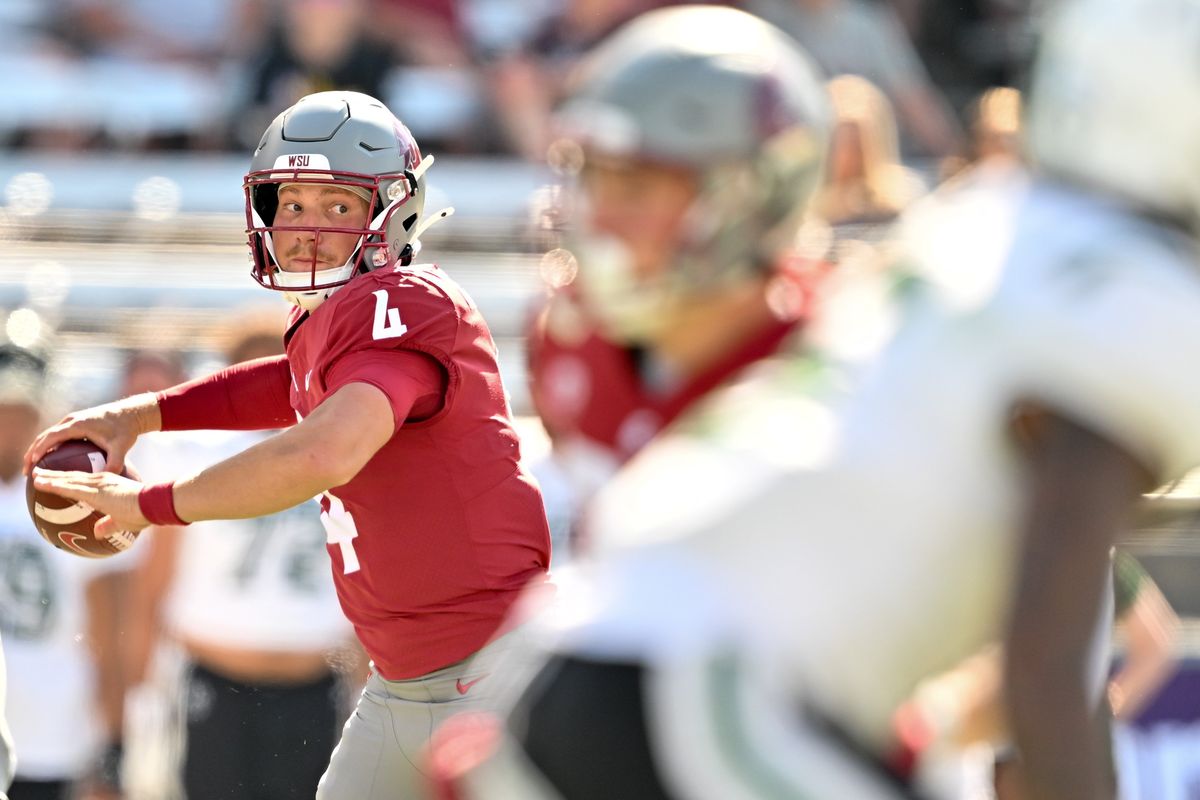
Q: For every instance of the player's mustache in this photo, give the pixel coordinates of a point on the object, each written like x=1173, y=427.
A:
x=300, y=250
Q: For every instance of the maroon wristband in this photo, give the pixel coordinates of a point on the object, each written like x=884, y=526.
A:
x=157, y=503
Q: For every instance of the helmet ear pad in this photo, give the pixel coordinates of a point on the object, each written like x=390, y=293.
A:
x=266, y=201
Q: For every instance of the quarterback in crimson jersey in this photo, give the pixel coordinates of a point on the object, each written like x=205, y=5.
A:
x=395, y=417
x=422, y=601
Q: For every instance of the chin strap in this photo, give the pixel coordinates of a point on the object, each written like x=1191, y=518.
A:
x=307, y=300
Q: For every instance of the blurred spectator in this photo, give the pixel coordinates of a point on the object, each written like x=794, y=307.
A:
x=25, y=27
x=865, y=184
x=996, y=124
x=864, y=190
x=969, y=45
x=864, y=38
x=16, y=15
x=200, y=34
x=56, y=617
x=172, y=55
x=430, y=31
x=151, y=371
x=963, y=710
x=313, y=46
x=994, y=121
x=1149, y=630
x=251, y=605
x=527, y=82
x=438, y=90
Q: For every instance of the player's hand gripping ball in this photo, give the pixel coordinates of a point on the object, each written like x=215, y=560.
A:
x=64, y=523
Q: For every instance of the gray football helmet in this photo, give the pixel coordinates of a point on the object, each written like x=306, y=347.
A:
x=1114, y=102
x=349, y=139
x=719, y=92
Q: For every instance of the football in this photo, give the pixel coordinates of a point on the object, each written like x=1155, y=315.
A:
x=64, y=523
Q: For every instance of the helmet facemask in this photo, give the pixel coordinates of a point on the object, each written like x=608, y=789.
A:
x=388, y=235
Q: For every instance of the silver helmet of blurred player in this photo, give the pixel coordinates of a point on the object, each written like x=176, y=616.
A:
x=1114, y=102
x=723, y=94
x=353, y=141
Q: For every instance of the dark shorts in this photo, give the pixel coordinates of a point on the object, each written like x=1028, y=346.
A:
x=257, y=741
x=586, y=731
x=39, y=790
x=585, y=726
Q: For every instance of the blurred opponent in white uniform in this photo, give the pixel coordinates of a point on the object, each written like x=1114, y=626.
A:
x=8, y=763
x=755, y=624
x=51, y=616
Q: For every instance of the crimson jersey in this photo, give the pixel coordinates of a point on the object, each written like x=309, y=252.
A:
x=434, y=538
x=587, y=388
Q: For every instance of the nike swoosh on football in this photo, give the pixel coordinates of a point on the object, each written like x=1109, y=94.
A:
x=465, y=686
x=72, y=540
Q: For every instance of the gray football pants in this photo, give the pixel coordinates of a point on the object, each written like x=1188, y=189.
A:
x=383, y=744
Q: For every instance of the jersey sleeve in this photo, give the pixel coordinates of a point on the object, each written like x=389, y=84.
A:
x=414, y=383
x=1113, y=342
x=399, y=334
x=249, y=396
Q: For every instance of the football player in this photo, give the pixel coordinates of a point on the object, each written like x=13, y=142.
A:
x=394, y=416
x=755, y=637
x=688, y=169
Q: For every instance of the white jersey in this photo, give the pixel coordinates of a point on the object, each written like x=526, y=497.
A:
x=8, y=756
x=260, y=584
x=51, y=702
x=892, y=559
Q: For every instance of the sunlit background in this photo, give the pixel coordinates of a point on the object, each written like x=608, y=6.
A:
x=126, y=128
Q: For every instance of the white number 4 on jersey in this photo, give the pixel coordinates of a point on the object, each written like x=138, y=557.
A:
x=387, y=320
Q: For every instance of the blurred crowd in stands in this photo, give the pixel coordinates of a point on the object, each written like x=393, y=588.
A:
x=467, y=76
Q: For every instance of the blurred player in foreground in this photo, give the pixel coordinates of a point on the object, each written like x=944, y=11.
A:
x=751, y=634
x=404, y=431
x=688, y=173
